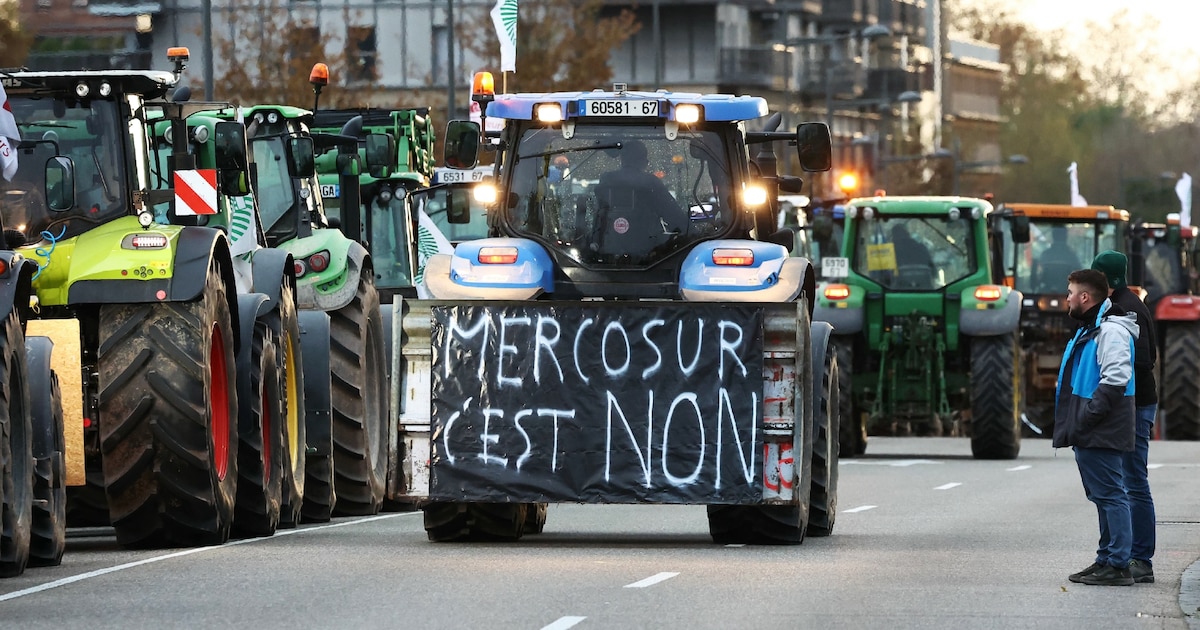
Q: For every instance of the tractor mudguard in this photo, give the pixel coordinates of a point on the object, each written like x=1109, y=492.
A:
x=980, y=318
x=845, y=315
x=270, y=267
x=318, y=386
x=15, y=281
x=251, y=306
x=356, y=262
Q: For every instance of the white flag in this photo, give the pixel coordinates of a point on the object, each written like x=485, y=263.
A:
x=1183, y=188
x=243, y=229
x=1076, y=198
x=9, y=134
x=430, y=241
x=504, y=17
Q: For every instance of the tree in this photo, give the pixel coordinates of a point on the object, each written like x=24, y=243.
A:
x=267, y=49
x=561, y=44
x=14, y=40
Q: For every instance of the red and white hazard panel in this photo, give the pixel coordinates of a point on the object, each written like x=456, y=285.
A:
x=196, y=192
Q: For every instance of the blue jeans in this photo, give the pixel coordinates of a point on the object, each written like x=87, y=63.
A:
x=1102, y=473
x=1137, y=484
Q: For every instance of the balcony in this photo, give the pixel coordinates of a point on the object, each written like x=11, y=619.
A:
x=847, y=79
x=887, y=83
x=761, y=67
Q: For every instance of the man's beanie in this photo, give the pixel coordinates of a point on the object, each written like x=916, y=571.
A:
x=1112, y=264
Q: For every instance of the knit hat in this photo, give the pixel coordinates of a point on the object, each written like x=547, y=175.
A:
x=1113, y=264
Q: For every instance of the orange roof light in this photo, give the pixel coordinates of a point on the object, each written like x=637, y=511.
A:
x=319, y=74
x=178, y=53
x=483, y=84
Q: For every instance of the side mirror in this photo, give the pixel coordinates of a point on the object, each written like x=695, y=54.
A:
x=814, y=147
x=301, y=157
x=458, y=206
x=60, y=183
x=462, y=144
x=229, y=143
x=347, y=165
x=1020, y=229
x=380, y=154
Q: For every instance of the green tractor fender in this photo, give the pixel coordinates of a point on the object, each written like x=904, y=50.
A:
x=989, y=310
x=845, y=314
x=334, y=286
x=15, y=281
x=271, y=267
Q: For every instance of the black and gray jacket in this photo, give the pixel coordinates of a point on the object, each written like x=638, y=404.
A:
x=1094, y=405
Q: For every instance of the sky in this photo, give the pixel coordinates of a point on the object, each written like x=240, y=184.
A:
x=1178, y=30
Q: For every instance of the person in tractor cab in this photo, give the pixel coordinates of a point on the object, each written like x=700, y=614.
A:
x=1056, y=261
x=636, y=209
x=914, y=264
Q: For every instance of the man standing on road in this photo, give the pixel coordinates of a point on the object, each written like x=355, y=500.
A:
x=1137, y=481
x=1094, y=413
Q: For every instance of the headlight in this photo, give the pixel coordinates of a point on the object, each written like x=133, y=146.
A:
x=484, y=193
x=687, y=114
x=385, y=195
x=549, y=112
x=754, y=196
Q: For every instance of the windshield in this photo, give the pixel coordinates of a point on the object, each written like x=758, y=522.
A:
x=1054, y=250
x=273, y=184
x=619, y=194
x=87, y=132
x=914, y=253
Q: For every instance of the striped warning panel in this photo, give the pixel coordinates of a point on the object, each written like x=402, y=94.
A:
x=196, y=192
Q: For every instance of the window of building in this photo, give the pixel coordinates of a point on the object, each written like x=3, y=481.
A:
x=361, y=52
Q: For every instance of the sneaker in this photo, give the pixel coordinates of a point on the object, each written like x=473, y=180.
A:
x=1142, y=572
x=1078, y=577
x=1109, y=576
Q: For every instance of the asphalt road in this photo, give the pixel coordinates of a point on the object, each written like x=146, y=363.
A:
x=925, y=537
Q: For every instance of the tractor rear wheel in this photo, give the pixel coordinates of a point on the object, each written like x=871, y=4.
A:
x=535, y=517
x=49, y=532
x=1180, y=401
x=16, y=451
x=822, y=498
x=458, y=522
x=360, y=409
x=995, y=404
x=285, y=326
x=168, y=419
x=852, y=432
x=260, y=449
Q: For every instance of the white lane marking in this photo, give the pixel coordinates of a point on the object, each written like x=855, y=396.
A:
x=562, y=623
x=736, y=545
x=953, y=484
x=1016, y=468
x=861, y=508
x=186, y=552
x=652, y=580
x=899, y=463
x=1153, y=466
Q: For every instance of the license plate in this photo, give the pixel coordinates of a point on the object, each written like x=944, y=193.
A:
x=459, y=177
x=330, y=191
x=619, y=108
x=835, y=267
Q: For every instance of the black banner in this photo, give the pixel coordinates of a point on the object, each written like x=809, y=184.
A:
x=597, y=403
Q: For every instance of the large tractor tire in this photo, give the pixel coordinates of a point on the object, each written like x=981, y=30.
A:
x=168, y=419
x=535, y=517
x=49, y=530
x=852, y=430
x=16, y=451
x=319, y=497
x=459, y=522
x=995, y=397
x=756, y=524
x=285, y=326
x=360, y=408
x=822, y=497
x=260, y=447
x=1180, y=400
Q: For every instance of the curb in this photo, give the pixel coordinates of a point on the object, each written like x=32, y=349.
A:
x=1189, y=595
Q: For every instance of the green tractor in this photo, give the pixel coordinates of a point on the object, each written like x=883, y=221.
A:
x=334, y=274
x=397, y=148
x=153, y=290
x=930, y=342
